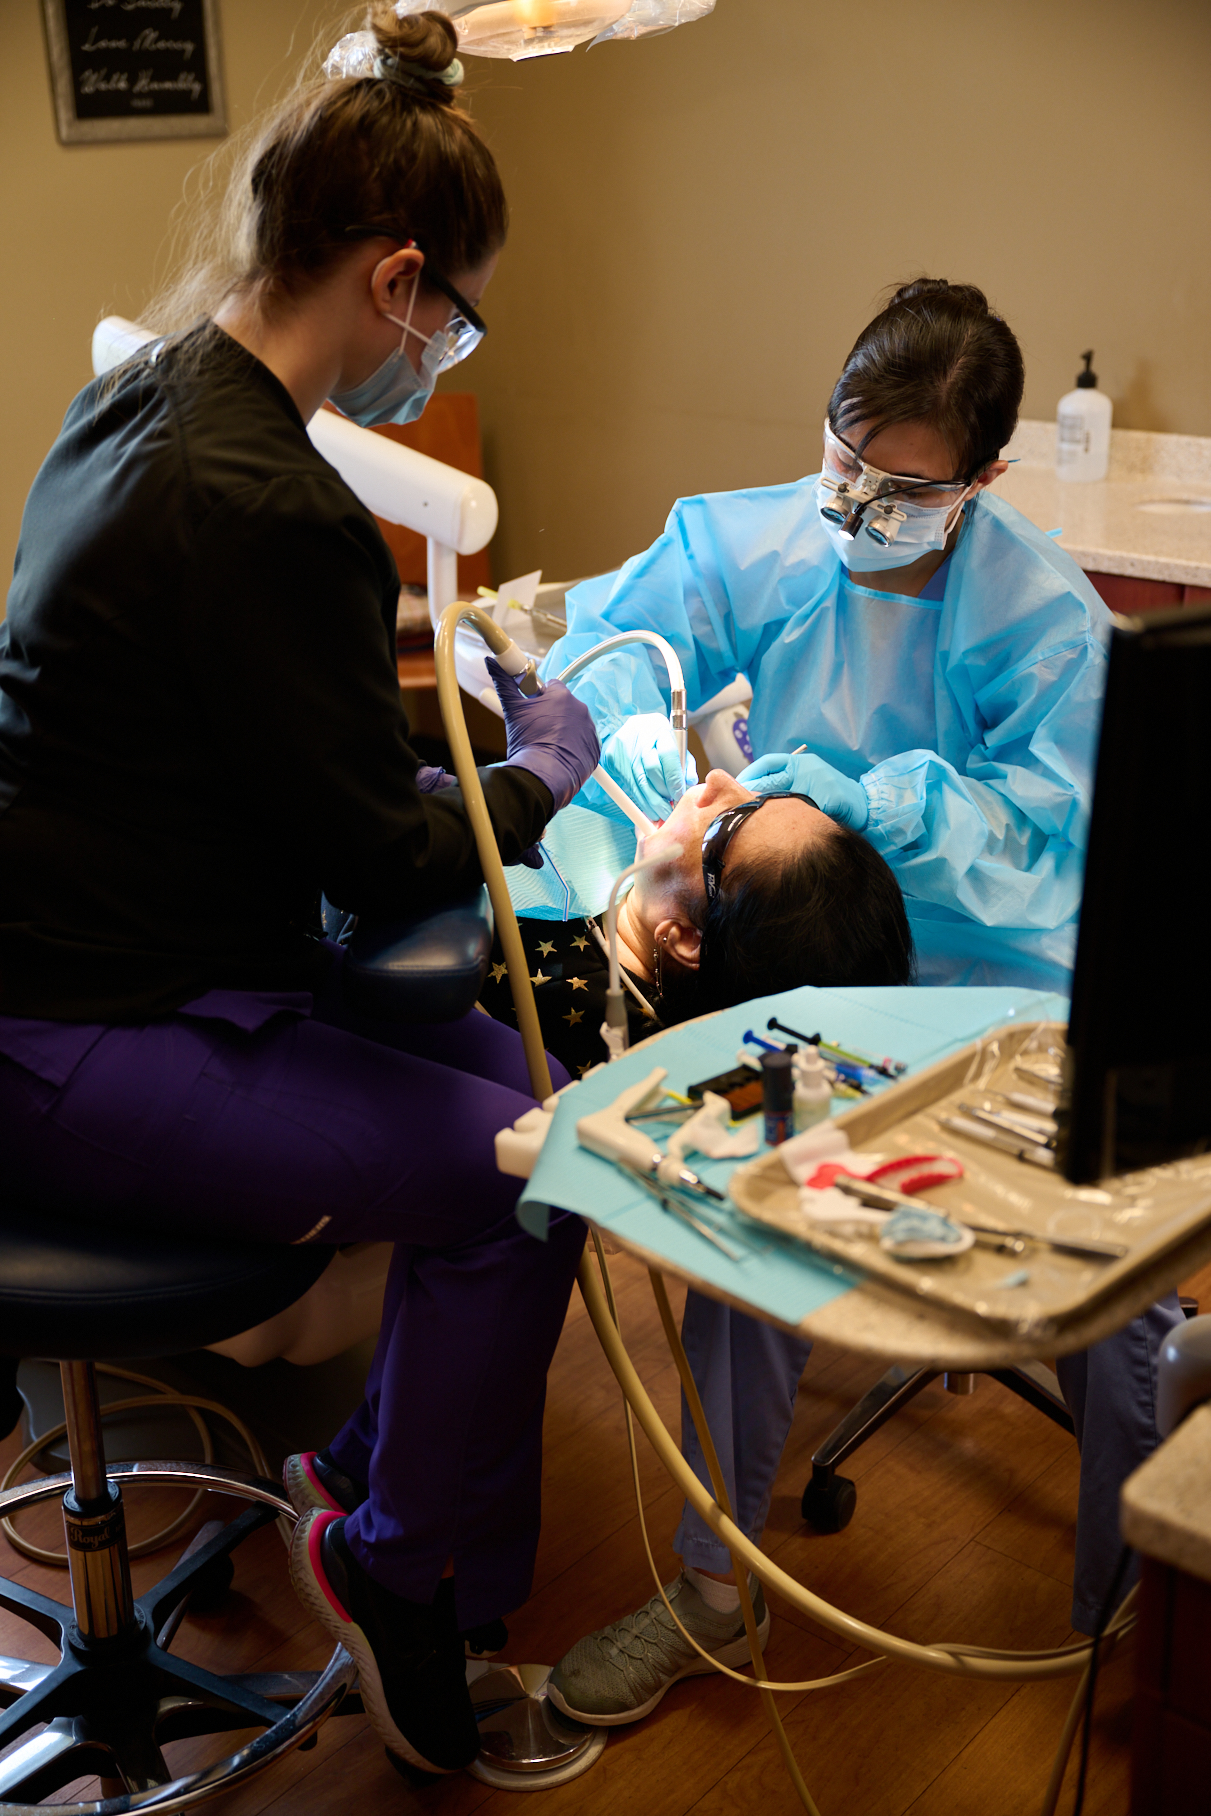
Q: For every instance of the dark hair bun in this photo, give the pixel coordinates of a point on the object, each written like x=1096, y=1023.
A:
x=971, y=300
x=424, y=44
x=937, y=354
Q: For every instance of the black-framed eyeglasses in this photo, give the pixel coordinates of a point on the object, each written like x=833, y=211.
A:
x=721, y=831
x=466, y=329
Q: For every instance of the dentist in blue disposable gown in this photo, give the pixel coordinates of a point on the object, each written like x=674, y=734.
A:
x=942, y=664
x=940, y=658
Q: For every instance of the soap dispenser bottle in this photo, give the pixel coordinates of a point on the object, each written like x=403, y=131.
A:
x=1082, y=429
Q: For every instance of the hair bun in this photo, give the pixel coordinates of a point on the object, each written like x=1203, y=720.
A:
x=424, y=44
x=966, y=295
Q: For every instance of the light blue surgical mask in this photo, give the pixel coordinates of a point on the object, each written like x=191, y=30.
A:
x=396, y=391
x=917, y=530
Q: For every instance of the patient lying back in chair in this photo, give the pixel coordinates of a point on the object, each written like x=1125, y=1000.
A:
x=759, y=901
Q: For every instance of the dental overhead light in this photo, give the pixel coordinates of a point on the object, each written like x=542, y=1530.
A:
x=519, y=29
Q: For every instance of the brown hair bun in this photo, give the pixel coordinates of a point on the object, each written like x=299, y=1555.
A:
x=422, y=44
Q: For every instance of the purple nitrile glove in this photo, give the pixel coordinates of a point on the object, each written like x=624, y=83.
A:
x=429, y=779
x=551, y=734
x=802, y=773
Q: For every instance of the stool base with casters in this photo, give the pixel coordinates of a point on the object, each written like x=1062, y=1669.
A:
x=829, y=1499
x=117, y=1695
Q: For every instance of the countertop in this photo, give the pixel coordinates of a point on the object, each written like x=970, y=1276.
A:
x=1166, y=1505
x=1150, y=518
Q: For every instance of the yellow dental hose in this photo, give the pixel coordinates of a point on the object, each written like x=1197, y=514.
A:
x=952, y=1659
x=450, y=700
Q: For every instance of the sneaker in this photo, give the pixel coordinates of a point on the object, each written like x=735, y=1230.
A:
x=409, y=1657
x=620, y=1673
x=312, y=1479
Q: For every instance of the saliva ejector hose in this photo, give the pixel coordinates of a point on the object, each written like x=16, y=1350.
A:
x=678, y=709
x=515, y=662
x=614, y=1030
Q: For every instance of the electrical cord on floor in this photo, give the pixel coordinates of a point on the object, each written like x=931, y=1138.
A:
x=162, y=1396
x=963, y=1660
x=759, y=1680
x=1103, y=1622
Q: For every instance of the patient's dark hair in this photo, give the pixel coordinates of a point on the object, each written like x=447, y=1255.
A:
x=936, y=353
x=831, y=914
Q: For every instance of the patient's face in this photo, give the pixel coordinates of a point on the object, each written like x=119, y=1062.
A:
x=760, y=841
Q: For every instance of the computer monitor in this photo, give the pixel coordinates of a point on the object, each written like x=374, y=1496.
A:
x=1138, y=1074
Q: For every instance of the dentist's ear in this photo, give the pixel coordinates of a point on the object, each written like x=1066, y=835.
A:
x=680, y=941
x=992, y=471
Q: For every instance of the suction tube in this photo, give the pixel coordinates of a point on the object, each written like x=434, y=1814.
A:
x=678, y=716
x=516, y=663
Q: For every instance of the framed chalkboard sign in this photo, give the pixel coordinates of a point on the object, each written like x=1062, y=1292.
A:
x=135, y=69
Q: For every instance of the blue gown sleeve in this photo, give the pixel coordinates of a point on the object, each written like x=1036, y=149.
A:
x=684, y=588
x=1001, y=836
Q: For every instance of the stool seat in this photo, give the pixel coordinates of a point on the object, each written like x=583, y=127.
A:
x=80, y=1291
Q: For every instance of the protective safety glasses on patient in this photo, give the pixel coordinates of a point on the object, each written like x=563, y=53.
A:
x=876, y=519
x=720, y=833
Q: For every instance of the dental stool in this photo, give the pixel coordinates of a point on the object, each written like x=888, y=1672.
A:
x=82, y=1293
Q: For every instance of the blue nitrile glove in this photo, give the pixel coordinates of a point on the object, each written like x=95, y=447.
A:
x=834, y=794
x=641, y=756
x=551, y=734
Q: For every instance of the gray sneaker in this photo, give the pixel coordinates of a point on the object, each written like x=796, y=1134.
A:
x=620, y=1673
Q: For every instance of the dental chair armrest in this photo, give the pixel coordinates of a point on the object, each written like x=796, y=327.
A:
x=421, y=970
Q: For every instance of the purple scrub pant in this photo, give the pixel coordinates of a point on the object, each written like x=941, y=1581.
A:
x=288, y=1119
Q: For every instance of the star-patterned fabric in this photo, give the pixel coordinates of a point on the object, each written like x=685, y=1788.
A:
x=570, y=974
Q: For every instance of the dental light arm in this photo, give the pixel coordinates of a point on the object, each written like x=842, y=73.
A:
x=455, y=512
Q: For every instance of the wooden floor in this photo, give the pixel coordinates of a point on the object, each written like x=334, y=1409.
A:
x=963, y=1531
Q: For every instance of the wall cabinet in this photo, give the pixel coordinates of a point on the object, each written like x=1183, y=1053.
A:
x=1124, y=593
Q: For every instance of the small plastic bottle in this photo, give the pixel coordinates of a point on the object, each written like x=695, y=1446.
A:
x=778, y=1096
x=813, y=1090
x=1082, y=429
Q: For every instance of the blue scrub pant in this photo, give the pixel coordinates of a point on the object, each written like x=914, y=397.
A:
x=240, y=1117
x=748, y=1372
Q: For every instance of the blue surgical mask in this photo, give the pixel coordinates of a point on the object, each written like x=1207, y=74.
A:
x=921, y=528
x=396, y=391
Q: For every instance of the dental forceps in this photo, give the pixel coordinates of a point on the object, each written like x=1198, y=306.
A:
x=664, y=1194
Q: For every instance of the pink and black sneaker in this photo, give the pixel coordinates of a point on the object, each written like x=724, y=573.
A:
x=409, y=1657
x=312, y=1479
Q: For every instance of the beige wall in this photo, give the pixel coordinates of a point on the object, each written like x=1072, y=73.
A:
x=702, y=222
x=83, y=227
